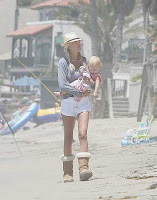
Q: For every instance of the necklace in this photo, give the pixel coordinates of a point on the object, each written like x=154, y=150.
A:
x=77, y=59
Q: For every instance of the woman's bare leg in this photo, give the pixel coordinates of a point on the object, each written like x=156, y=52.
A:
x=83, y=119
x=83, y=156
x=68, y=134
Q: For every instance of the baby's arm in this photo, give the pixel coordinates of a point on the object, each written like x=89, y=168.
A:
x=59, y=94
x=91, y=82
x=97, y=85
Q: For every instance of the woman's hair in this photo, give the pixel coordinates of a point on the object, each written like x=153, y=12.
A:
x=67, y=53
x=66, y=50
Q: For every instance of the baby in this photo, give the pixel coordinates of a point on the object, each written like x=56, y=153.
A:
x=94, y=65
x=88, y=76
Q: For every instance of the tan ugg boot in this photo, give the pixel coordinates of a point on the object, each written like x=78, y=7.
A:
x=83, y=160
x=68, y=168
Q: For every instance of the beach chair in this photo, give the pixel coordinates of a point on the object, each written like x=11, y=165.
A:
x=140, y=134
x=143, y=132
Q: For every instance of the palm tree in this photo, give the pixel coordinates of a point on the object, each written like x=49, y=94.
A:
x=94, y=27
x=145, y=8
x=122, y=8
x=24, y=3
x=149, y=8
x=153, y=7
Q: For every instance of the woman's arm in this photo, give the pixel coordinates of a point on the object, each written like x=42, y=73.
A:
x=64, y=84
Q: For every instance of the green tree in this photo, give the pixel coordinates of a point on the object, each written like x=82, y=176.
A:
x=110, y=17
x=99, y=20
x=24, y=3
x=102, y=26
x=153, y=7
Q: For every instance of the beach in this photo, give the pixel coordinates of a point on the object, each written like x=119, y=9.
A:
x=118, y=172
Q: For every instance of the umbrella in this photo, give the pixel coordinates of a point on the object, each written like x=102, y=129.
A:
x=34, y=81
x=25, y=81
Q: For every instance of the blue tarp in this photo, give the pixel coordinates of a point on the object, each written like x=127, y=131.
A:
x=25, y=81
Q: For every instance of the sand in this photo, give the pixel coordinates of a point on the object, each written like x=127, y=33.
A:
x=119, y=172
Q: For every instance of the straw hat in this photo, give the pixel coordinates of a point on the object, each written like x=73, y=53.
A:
x=70, y=37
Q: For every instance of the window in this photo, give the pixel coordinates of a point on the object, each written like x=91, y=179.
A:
x=41, y=16
x=59, y=50
x=24, y=48
x=17, y=48
x=44, y=54
x=50, y=15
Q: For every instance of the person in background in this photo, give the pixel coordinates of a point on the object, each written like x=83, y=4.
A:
x=37, y=92
x=68, y=71
x=1, y=124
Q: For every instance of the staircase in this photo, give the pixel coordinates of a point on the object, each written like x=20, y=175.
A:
x=120, y=106
x=120, y=94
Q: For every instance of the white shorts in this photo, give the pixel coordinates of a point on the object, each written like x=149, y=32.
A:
x=70, y=107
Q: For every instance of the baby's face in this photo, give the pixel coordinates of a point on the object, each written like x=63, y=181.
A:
x=94, y=68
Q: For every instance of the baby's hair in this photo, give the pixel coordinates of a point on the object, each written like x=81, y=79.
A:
x=94, y=60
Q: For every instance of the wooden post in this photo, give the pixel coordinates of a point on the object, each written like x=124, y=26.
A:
x=109, y=91
x=35, y=52
x=146, y=37
x=154, y=89
x=154, y=103
x=20, y=49
x=127, y=89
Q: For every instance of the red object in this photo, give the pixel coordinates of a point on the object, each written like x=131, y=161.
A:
x=30, y=30
x=155, y=48
x=59, y=3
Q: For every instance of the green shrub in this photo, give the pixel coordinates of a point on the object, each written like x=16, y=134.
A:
x=138, y=77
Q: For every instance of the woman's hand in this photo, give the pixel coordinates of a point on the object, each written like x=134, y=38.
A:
x=86, y=93
x=88, y=81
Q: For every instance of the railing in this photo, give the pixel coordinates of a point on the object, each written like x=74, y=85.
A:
x=31, y=61
x=134, y=71
x=120, y=88
x=121, y=76
x=120, y=84
x=43, y=61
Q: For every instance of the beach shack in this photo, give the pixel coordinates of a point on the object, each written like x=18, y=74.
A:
x=31, y=50
x=36, y=48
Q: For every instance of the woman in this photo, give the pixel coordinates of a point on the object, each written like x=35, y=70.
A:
x=68, y=71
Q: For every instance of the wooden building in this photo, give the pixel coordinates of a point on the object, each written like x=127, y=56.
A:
x=36, y=48
x=31, y=48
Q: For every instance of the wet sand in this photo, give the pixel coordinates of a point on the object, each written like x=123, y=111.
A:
x=119, y=172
